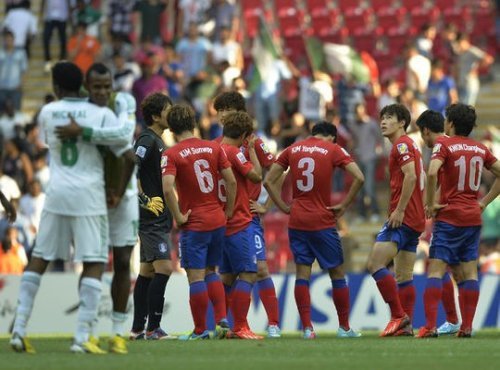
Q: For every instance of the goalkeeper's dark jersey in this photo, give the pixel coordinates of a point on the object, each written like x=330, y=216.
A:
x=148, y=150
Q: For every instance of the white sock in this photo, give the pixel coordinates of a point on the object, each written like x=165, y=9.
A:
x=118, y=319
x=30, y=282
x=90, y=295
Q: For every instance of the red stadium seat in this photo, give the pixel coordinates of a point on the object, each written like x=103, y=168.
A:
x=378, y=5
x=251, y=5
x=484, y=22
x=390, y=18
x=357, y=18
x=338, y=36
x=366, y=39
x=344, y=5
x=446, y=4
x=422, y=16
x=291, y=23
x=318, y=7
x=294, y=46
x=460, y=17
x=397, y=39
x=411, y=4
x=324, y=24
x=285, y=7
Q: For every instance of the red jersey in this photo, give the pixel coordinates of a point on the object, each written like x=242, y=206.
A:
x=241, y=167
x=405, y=151
x=312, y=162
x=266, y=159
x=196, y=164
x=440, y=140
x=463, y=161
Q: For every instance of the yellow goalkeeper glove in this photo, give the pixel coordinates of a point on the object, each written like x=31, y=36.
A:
x=154, y=204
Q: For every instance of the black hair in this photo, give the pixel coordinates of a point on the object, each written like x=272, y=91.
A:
x=437, y=63
x=180, y=118
x=432, y=120
x=463, y=117
x=7, y=32
x=67, y=76
x=236, y=124
x=324, y=128
x=153, y=105
x=98, y=68
x=399, y=110
x=230, y=100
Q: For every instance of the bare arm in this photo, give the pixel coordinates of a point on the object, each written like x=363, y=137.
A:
x=409, y=183
x=353, y=169
x=10, y=210
x=432, y=188
x=495, y=189
x=255, y=175
x=168, y=182
x=230, y=180
x=273, y=187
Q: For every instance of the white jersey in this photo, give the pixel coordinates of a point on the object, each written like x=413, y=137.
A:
x=76, y=185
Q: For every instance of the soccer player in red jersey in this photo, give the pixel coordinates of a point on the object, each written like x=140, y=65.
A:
x=239, y=263
x=431, y=126
x=456, y=233
x=233, y=101
x=193, y=166
x=398, y=238
x=311, y=228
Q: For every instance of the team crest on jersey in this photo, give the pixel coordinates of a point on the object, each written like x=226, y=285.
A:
x=402, y=148
x=264, y=147
x=436, y=148
x=164, y=161
x=162, y=247
x=140, y=151
x=241, y=157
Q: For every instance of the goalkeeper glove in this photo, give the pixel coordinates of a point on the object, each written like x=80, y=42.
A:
x=154, y=204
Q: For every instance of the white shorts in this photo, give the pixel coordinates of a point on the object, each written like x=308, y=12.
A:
x=88, y=234
x=124, y=223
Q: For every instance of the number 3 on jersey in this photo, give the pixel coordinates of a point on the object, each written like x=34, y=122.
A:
x=204, y=177
x=307, y=164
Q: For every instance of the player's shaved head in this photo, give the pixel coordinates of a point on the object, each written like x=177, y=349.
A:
x=229, y=100
x=96, y=68
x=399, y=111
x=153, y=105
x=463, y=117
x=236, y=124
x=180, y=118
x=432, y=120
x=67, y=77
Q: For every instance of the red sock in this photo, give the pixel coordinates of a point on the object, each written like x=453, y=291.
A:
x=217, y=296
x=303, y=301
x=387, y=286
x=432, y=296
x=340, y=295
x=470, y=292
x=240, y=300
x=448, y=299
x=406, y=292
x=267, y=295
x=198, y=300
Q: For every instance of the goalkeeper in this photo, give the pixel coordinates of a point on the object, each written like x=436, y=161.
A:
x=155, y=222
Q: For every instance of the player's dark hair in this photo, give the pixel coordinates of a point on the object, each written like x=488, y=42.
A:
x=98, y=68
x=67, y=76
x=432, y=120
x=180, y=118
x=236, y=124
x=230, y=100
x=324, y=128
x=153, y=105
x=463, y=117
x=399, y=110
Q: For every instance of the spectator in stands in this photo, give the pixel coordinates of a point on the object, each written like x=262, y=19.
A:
x=469, y=59
x=240, y=85
x=441, y=90
x=227, y=49
x=13, y=65
x=171, y=69
x=227, y=73
x=368, y=142
x=225, y=15
x=124, y=73
x=30, y=207
x=191, y=11
x=83, y=49
x=350, y=93
x=17, y=164
x=425, y=41
x=42, y=172
x=297, y=130
x=55, y=15
x=23, y=23
x=448, y=36
x=32, y=145
x=118, y=45
x=120, y=18
x=150, y=16
x=84, y=12
x=418, y=71
x=9, y=188
x=315, y=96
x=344, y=139
x=195, y=53
x=389, y=94
x=12, y=121
x=12, y=254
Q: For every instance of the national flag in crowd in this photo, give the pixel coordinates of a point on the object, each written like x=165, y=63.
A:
x=337, y=59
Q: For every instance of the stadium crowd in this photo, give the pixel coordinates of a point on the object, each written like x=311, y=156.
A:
x=435, y=53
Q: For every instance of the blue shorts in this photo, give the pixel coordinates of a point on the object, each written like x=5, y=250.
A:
x=201, y=249
x=323, y=245
x=257, y=238
x=405, y=237
x=239, y=253
x=454, y=244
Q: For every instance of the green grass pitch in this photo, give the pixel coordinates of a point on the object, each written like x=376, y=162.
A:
x=482, y=352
